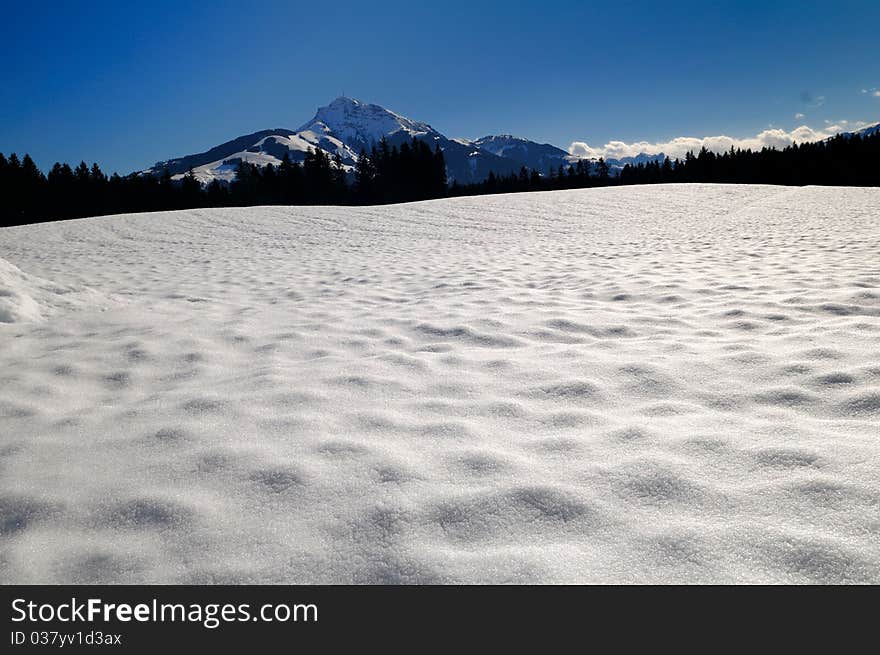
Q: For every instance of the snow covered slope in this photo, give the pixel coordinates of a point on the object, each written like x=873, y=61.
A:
x=868, y=131
x=216, y=154
x=636, y=384
x=344, y=127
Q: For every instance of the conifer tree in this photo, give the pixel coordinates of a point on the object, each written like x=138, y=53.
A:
x=602, y=171
x=440, y=176
x=364, y=176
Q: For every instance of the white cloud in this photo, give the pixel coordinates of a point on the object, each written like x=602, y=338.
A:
x=679, y=146
x=876, y=93
x=798, y=116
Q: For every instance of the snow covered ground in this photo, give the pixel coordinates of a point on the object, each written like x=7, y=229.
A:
x=638, y=384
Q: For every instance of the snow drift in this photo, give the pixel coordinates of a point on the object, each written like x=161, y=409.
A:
x=26, y=297
x=640, y=384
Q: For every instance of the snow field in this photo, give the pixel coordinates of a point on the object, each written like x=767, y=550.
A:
x=641, y=384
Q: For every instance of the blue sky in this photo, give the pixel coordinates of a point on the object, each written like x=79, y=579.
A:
x=126, y=84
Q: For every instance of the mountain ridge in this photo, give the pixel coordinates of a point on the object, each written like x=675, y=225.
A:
x=344, y=128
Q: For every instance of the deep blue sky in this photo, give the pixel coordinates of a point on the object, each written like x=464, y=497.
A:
x=126, y=84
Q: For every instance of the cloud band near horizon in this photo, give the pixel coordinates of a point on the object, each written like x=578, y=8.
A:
x=679, y=146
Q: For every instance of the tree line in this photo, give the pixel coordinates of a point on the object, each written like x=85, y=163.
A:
x=411, y=171
x=29, y=196
x=851, y=160
x=578, y=175
x=388, y=173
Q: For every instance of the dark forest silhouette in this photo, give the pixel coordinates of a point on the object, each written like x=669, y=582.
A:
x=412, y=171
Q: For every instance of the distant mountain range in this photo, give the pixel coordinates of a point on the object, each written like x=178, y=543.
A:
x=538, y=156
x=346, y=126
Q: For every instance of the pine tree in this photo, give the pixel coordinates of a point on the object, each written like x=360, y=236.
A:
x=337, y=176
x=364, y=177
x=602, y=171
x=190, y=190
x=491, y=183
x=14, y=198
x=441, y=180
x=535, y=180
x=96, y=174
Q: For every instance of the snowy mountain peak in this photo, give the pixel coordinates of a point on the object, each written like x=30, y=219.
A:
x=344, y=128
x=360, y=124
x=345, y=101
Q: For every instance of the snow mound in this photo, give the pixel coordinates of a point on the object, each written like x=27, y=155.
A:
x=28, y=298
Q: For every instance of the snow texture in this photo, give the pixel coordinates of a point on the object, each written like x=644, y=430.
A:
x=640, y=384
x=26, y=297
